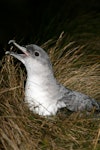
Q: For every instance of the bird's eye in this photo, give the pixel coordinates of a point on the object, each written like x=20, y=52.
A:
x=36, y=53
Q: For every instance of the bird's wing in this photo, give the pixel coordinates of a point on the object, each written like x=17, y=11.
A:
x=76, y=101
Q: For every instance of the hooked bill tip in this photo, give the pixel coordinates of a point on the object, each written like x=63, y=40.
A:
x=7, y=52
x=11, y=41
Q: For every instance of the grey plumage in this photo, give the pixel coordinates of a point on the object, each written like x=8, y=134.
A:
x=43, y=93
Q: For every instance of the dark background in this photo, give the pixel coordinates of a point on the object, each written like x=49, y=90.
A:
x=36, y=21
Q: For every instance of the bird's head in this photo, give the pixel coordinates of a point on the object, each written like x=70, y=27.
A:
x=35, y=59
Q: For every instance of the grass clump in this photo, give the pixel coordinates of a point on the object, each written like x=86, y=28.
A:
x=21, y=129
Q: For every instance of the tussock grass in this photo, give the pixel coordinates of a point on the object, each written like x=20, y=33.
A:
x=20, y=129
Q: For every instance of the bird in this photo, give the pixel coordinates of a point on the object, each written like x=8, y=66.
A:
x=44, y=95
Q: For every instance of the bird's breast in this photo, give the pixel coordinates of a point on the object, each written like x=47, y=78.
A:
x=42, y=95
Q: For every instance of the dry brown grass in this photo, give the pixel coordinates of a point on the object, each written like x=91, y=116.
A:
x=20, y=129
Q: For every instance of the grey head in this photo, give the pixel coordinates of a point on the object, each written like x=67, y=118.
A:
x=34, y=58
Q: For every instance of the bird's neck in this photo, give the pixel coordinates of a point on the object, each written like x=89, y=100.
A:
x=42, y=85
x=42, y=78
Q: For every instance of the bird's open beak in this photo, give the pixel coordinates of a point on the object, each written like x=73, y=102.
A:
x=16, y=55
x=23, y=49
